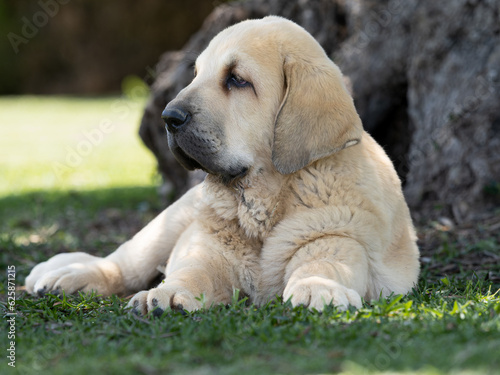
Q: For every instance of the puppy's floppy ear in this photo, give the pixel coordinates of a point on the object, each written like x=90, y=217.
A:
x=317, y=116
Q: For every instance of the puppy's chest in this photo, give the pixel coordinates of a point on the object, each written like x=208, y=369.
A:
x=256, y=209
x=258, y=214
x=318, y=186
x=247, y=218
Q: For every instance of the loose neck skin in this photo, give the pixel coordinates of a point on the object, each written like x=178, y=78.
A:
x=256, y=201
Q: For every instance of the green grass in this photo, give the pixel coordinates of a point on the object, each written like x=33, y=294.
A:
x=71, y=143
x=449, y=324
x=437, y=329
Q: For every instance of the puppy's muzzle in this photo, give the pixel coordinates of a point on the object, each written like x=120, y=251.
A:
x=175, y=118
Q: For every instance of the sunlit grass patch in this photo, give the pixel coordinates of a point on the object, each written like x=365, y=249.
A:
x=431, y=335
x=71, y=143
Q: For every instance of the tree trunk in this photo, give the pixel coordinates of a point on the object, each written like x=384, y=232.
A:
x=426, y=82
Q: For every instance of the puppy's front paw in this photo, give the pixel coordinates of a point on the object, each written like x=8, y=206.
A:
x=316, y=292
x=163, y=298
x=75, y=272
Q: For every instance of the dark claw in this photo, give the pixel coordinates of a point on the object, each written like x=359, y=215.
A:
x=41, y=292
x=158, y=311
x=180, y=309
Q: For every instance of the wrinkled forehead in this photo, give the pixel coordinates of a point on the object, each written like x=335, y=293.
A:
x=245, y=46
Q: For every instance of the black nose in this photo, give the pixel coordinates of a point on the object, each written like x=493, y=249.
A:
x=175, y=118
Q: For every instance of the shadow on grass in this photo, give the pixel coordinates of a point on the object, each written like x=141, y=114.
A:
x=448, y=326
x=37, y=225
x=54, y=201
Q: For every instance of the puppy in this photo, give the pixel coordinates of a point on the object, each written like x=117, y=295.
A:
x=299, y=201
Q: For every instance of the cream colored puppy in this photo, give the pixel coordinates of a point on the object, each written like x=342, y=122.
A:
x=299, y=201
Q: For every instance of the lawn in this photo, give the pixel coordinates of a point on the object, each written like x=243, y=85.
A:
x=75, y=177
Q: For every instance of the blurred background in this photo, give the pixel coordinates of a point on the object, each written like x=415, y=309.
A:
x=88, y=47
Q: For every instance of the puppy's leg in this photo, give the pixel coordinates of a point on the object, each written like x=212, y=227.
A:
x=328, y=270
x=202, y=271
x=130, y=268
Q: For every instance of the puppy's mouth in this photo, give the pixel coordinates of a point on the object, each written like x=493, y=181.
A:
x=186, y=161
x=227, y=176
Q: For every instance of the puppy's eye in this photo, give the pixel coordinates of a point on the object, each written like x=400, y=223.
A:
x=236, y=81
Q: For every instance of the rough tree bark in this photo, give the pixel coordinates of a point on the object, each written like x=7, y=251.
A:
x=426, y=81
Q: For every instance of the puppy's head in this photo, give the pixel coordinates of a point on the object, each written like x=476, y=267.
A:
x=264, y=96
